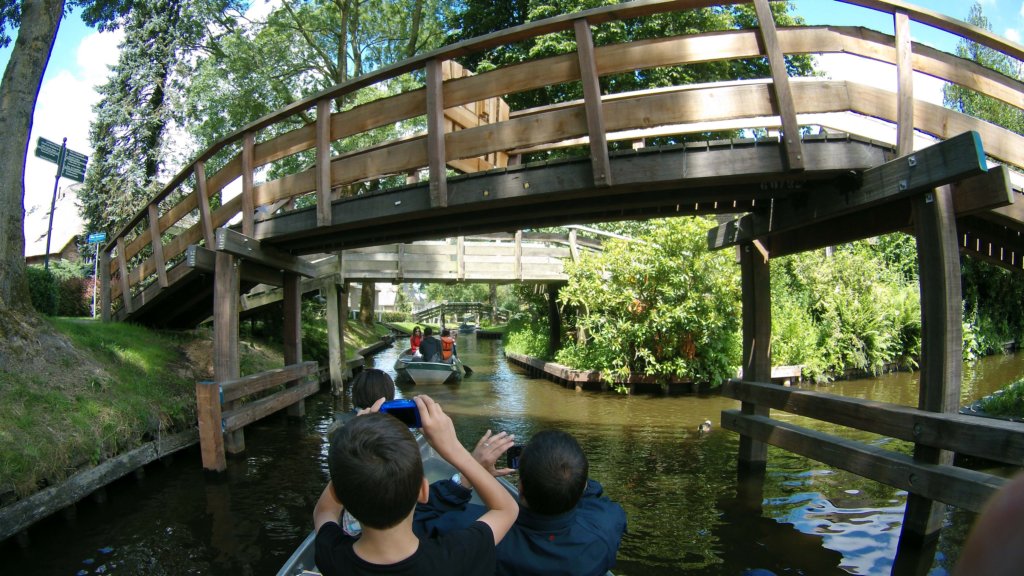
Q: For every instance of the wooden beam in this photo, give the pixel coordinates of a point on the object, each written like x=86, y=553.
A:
x=205, y=220
x=755, y=279
x=944, y=162
x=211, y=434
x=780, y=85
x=234, y=389
x=245, y=247
x=225, y=336
x=206, y=260
x=158, y=247
x=292, y=337
x=905, y=85
x=248, y=198
x=122, y=264
x=335, y=321
x=436, y=155
x=323, y=162
x=237, y=418
x=941, y=342
x=998, y=440
x=460, y=257
x=960, y=487
x=104, y=269
x=518, y=256
x=592, y=99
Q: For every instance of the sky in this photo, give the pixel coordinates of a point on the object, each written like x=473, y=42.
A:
x=81, y=58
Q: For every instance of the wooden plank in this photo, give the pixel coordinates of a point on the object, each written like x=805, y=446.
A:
x=938, y=258
x=997, y=440
x=225, y=336
x=158, y=248
x=105, y=299
x=211, y=435
x=757, y=323
x=122, y=264
x=21, y=514
x=284, y=145
x=335, y=321
x=205, y=260
x=253, y=383
x=592, y=104
x=517, y=258
x=436, y=155
x=237, y=418
x=248, y=204
x=323, y=163
x=292, y=337
x=960, y=487
x=460, y=252
x=944, y=162
x=905, y=85
x=205, y=220
x=780, y=85
x=226, y=175
x=244, y=247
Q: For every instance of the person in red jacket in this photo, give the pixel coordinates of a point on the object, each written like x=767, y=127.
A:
x=414, y=341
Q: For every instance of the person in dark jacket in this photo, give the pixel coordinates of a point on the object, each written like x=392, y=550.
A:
x=566, y=526
x=430, y=347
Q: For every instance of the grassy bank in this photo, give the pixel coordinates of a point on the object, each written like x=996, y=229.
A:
x=102, y=389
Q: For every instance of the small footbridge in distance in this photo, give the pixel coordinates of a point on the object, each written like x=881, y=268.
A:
x=825, y=175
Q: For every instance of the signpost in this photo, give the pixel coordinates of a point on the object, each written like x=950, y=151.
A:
x=96, y=238
x=70, y=164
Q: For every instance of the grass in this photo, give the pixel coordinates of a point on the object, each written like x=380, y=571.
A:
x=1008, y=402
x=105, y=389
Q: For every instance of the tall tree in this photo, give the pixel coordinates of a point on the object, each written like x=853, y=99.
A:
x=39, y=22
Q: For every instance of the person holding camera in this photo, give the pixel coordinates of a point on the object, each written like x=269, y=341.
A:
x=566, y=526
x=376, y=480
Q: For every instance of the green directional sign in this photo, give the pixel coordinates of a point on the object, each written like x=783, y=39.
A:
x=48, y=150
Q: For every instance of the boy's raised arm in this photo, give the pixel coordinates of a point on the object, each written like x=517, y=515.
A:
x=328, y=508
x=502, y=509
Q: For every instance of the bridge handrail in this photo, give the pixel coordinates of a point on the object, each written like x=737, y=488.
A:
x=557, y=69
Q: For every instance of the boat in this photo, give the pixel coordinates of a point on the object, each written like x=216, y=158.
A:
x=407, y=367
x=467, y=328
x=434, y=467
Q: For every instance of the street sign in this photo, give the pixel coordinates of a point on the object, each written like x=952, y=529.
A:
x=48, y=150
x=76, y=173
x=97, y=237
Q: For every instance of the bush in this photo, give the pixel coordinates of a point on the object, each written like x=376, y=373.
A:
x=42, y=287
x=396, y=316
x=527, y=335
x=1006, y=402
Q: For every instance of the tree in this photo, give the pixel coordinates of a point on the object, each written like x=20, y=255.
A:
x=39, y=22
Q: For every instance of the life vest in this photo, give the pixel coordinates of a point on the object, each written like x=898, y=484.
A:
x=447, y=345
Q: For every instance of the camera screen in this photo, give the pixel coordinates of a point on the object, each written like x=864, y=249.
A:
x=406, y=415
x=512, y=456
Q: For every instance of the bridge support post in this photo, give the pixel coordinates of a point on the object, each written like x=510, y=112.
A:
x=225, y=334
x=554, y=321
x=104, y=267
x=941, y=343
x=335, y=336
x=293, y=333
x=757, y=332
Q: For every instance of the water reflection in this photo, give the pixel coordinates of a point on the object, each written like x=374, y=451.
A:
x=686, y=510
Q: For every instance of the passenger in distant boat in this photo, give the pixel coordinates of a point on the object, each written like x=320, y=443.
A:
x=430, y=347
x=414, y=341
x=363, y=519
x=448, y=351
x=565, y=526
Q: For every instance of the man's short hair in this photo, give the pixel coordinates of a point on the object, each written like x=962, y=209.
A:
x=370, y=385
x=376, y=469
x=553, y=472
x=445, y=332
x=428, y=331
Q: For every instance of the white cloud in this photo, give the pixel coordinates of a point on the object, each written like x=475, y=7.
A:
x=64, y=109
x=1012, y=34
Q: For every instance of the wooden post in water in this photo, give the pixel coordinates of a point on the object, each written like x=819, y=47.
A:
x=293, y=332
x=335, y=327
x=757, y=332
x=941, y=342
x=225, y=335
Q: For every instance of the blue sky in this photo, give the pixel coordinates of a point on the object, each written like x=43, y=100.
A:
x=81, y=57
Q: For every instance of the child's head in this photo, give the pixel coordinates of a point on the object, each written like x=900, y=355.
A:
x=553, y=472
x=376, y=470
x=370, y=385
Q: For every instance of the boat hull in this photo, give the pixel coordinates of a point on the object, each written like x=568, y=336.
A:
x=425, y=373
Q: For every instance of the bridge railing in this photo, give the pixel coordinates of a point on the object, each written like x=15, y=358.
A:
x=193, y=204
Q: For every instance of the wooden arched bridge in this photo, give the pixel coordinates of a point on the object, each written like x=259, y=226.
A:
x=823, y=176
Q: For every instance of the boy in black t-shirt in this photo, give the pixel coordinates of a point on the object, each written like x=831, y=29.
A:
x=377, y=478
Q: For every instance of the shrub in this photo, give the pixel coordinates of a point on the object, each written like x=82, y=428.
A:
x=1006, y=402
x=42, y=286
x=396, y=316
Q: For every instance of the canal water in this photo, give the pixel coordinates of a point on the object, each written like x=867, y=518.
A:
x=685, y=510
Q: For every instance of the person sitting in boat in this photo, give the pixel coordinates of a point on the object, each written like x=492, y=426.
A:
x=377, y=479
x=414, y=341
x=369, y=385
x=448, y=352
x=566, y=526
x=430, y=347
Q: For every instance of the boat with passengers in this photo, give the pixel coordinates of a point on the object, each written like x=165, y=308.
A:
x=411, y=367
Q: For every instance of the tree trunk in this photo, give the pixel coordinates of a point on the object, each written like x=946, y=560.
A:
x=18, y=92
x=414, y=30
x=367, y=297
